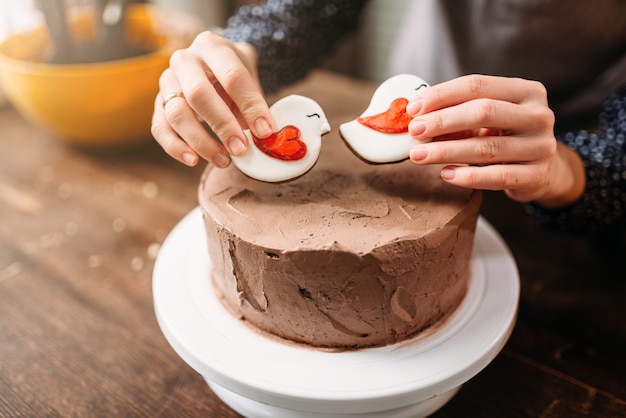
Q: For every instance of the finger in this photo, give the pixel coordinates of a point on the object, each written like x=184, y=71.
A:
x=522, y=182
x=470, y=87
x=243, y=89
x=481, y=113
x=205, y=101
x=484, y=150
x=184, y=123
x=168, y=139
x=216, y=58
x=455, y=135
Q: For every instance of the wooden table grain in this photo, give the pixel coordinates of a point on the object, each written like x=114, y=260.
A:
x=79, y=233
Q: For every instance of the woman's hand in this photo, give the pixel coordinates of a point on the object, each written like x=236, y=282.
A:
x=215, y=82
x=495, y=133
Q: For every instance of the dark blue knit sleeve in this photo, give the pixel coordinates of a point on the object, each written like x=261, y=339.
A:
x=293, y=36
x=603, y=202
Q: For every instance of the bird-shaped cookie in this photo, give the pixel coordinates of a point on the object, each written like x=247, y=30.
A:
x=381, y=134
x=293, y=149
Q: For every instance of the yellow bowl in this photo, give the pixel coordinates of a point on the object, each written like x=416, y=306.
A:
x=107, y=102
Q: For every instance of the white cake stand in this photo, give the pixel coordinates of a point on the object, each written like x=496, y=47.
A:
x=259, y=376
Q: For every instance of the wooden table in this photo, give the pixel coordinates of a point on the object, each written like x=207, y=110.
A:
x=79, y=233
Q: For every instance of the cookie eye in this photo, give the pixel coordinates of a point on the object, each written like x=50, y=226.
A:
x=421, y=86
x=314, y=114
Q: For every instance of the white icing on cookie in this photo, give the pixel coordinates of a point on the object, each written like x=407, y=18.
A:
x=293, y=149
x=373, y=145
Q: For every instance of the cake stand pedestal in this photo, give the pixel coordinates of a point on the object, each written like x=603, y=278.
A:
x=253, y=409
x=259, y=376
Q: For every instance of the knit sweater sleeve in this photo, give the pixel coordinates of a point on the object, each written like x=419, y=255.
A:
x=292, y=36
x=603, y=202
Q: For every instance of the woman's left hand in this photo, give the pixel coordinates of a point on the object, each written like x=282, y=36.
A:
x=495, y=133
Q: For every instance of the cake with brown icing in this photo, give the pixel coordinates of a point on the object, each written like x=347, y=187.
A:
x=349, y=255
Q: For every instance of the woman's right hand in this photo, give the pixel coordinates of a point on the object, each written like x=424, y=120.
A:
x=213, y=81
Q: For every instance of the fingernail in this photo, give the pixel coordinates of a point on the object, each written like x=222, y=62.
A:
x=221, y=160
x=418, y=153
x=448, y=173
x=189, y=158
x=417, y=127
x=235, y=145
x=414, y=107
x=262, y=128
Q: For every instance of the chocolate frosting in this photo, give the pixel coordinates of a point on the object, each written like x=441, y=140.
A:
x=348, y=255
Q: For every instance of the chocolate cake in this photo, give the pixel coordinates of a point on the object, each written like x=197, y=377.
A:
x=349, y=255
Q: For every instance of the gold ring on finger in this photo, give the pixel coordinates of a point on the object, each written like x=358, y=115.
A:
x=172, y=96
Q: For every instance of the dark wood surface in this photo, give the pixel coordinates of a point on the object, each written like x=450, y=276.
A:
x=79, y=232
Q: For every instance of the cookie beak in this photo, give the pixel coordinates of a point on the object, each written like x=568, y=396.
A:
x=325, y=128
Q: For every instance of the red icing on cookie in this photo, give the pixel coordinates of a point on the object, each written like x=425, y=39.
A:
x=283, y=145
x=394, y=120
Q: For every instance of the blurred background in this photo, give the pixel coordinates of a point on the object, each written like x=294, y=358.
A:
x=379, y=28
x=91, y=101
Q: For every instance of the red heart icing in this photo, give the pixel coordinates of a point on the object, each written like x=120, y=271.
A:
x=394, y=120
x=283, y=145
